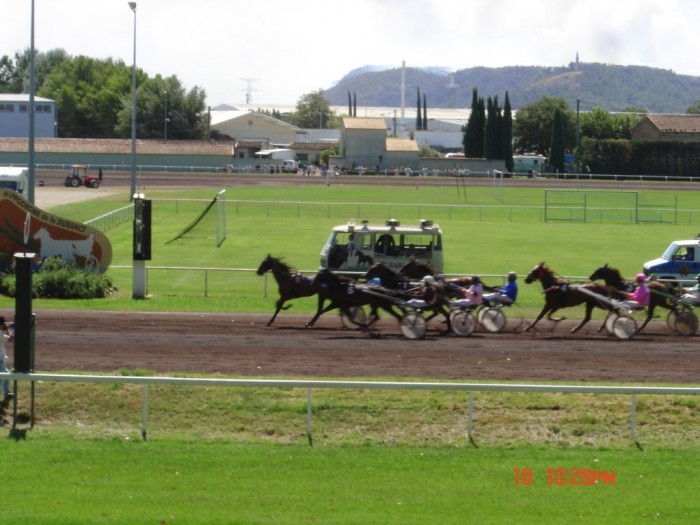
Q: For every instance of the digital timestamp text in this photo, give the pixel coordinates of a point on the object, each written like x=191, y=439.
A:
x=566, y=476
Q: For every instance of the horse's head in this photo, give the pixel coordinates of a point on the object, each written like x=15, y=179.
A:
x=600, y=273
x=266, y=265
x=537, y=273
x=416, y=270
x=378, y=269
x=611, y=276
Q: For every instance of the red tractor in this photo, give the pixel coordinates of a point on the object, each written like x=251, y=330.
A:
x=78, y=176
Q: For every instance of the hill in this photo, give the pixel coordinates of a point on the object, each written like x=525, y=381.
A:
x=614, y=88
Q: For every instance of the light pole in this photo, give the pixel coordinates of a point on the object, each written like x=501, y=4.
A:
x=132, y=5
x=30, y=144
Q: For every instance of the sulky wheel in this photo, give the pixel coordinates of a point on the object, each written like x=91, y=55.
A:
x=609, y=322
x=354, y=318
x=671, y=320
x=492, y=319
x=463, y=323
x=624, y=327
x=686, y=322
x=413, y=325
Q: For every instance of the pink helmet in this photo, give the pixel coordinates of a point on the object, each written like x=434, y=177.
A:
x=640, y=277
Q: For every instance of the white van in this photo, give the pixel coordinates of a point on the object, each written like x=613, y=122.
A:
x=14, y=178
x=355, y=247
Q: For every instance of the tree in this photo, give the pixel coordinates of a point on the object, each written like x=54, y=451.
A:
x=694, y=108
x=419, y=118
x=532, y=127
x=493, y=135
x=473, y=140
x=425, y=113
x=557, y=148
x=89, y=94
x=313, y=111
x=508, y=134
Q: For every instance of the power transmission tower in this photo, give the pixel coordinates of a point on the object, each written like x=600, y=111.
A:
x=249, y=89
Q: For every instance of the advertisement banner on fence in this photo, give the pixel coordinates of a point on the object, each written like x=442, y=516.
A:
x=27, y=228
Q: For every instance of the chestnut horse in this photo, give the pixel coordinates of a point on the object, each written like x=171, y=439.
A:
x=558, y=293
x=659, y=296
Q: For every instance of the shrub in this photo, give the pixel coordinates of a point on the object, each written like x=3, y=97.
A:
x=60, y=279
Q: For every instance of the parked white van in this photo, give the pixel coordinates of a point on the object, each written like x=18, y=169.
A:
x=355, y=247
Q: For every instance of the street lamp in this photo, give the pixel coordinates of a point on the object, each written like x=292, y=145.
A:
x=132, y=5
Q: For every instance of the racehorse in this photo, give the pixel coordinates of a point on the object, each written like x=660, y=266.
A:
x=342, y=293
x=389, y=278
x=435, y=293
x=291, y=284
x=659, y=296
x=560, y=294
x=416, y=270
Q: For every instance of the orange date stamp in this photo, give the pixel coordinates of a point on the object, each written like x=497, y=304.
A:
x=559, y=476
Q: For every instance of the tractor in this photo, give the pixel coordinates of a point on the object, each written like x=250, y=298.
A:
x=78, y=176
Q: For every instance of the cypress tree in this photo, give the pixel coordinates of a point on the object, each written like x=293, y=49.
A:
x=349, y=104
x=425, y=114
x=508, y=135
x=556, y=151
x=354, y=104
x=419, y=119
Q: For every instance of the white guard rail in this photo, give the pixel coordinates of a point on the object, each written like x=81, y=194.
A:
x=633, y=391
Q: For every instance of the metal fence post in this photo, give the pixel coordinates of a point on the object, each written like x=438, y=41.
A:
x=144, y=413
x=308, y=417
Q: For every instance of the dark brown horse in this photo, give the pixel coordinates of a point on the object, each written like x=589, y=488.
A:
x=558, y=293
x=344, y=294
x=291, y=284
x=660, y=293
x=435, y=293
x=416, y=270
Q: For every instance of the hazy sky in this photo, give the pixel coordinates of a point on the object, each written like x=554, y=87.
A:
x=290, y=48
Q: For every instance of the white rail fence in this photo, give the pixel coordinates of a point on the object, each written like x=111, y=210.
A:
x=310, y=385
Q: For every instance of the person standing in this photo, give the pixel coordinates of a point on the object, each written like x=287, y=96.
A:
x=6, y=338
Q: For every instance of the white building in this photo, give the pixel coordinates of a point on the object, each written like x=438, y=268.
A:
x=14, y=116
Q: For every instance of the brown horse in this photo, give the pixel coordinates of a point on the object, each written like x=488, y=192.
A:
x=435, y=293
x=559, y=294
x=345, y=293
x=416, y=270
x=291, y=284
x=660, y=293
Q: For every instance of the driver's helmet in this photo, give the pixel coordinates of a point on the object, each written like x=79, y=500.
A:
x=512, y=276
x=640, y=277
x=429, y=280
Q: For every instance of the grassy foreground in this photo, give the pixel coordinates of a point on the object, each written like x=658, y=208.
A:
x=236, y=455
x=59, y=481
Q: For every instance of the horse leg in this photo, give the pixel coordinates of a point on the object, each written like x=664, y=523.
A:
x=586, y=318
x=320, y=311
x=539, y=317
x=278, y=306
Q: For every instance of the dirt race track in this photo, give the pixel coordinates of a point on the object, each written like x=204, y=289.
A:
x=242, y=344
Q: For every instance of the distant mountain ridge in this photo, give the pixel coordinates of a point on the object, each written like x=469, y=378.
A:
x=611, y=87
